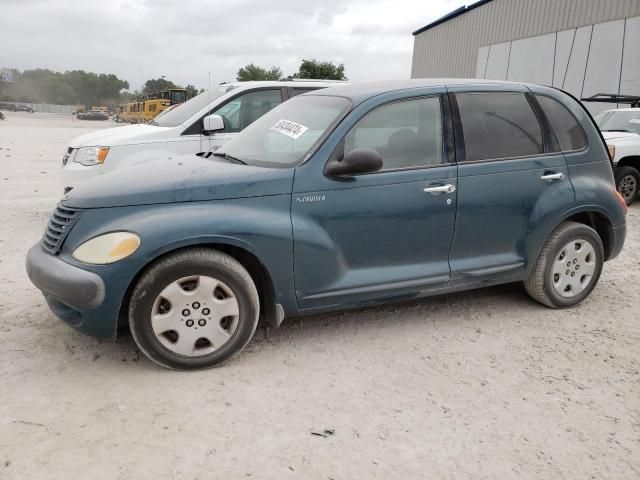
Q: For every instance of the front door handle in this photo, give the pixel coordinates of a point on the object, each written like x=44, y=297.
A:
x=441, y=189
x=550, y=177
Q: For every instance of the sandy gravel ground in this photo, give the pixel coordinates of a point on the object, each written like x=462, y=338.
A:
x=480, y=385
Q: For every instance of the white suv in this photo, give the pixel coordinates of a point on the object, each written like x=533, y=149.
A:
x=202, y=124
x=621, y=130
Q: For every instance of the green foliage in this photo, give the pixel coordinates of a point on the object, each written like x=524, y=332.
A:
x=158, y=85
x=313, y=69
x=254, y=72
x=192, y=91
x=75, y=87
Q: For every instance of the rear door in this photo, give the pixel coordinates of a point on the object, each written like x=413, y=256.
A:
x=511, y=180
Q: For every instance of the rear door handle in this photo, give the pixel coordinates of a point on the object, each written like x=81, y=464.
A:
x=441, y=189
x=550, y=177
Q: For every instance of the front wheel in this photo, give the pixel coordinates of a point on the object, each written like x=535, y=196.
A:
x=628, y=183
x=193, y=309
x=568, y=268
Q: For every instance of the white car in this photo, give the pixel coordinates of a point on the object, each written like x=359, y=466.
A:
x=202, y=124
x=621, y=130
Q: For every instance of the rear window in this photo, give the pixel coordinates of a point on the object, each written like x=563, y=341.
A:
x=499, y=125
x=567, y=129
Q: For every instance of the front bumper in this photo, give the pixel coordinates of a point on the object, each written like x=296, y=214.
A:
x=71, y=285
x=74, y=295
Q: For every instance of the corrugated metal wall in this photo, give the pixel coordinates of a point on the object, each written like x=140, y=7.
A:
x=451, y=48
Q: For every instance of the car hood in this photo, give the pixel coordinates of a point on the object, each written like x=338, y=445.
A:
x=620, y=135
x=126, y=135
x=187, y=178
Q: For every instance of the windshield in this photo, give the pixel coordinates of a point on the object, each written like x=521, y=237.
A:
x=284, y=136
x=181, y=113
x=619, y=121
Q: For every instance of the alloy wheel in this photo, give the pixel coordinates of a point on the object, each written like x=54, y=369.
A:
x=628, y=187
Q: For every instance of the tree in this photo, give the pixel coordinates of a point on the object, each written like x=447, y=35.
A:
x=192, y=91
x=157, y=85
x=254, y=72
x=70, y=88
x=313, y=69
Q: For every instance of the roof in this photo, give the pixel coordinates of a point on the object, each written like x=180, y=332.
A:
x=358, y=92
x=451, y=15
x=284, y=83
x=624, y=109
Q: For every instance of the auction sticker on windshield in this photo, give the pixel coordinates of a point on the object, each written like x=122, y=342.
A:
x=289, y=128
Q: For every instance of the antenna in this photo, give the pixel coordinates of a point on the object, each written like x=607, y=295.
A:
x=208, y=111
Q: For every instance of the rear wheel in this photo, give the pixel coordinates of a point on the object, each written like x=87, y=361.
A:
x=628, y=183
x=193, y=309
x=568, y=267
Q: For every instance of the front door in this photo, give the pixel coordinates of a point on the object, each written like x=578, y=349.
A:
x=239, y=113
x=386, y=234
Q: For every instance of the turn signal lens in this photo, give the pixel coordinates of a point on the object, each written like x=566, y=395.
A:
x=107, y=248
x=612, y=151
x=622, y=202
x=101, y=154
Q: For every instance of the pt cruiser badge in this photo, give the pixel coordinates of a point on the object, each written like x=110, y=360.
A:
x=311, y=199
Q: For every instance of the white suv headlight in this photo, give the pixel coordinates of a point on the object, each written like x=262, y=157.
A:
x=90, y=156
x=107, y=248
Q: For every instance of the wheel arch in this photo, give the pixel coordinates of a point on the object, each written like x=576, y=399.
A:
x=630, y=161
x=270, y=311
x=589, y=215
x=601, y=224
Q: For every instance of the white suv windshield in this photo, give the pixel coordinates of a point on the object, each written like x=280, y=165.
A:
x=284, y=136
x=180, y=114
x=619, y=121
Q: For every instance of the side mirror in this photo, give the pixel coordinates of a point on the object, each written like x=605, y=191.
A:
x=358, y=160
x=212, y=123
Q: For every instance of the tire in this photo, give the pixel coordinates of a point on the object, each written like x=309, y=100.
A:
x=163, y=329
x=559, y=289
x=628, y=183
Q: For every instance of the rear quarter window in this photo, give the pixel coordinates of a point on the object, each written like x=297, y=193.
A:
x=568, y=131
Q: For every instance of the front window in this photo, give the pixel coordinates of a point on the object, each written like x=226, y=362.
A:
x=182, y=113
x=284, y=136
x=242, y=111
x=407, y=133
x=178, y=97
x=619, y=121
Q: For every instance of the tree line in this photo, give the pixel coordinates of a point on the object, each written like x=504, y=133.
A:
x=309, y=69
x=78, y=87
x=75, y=87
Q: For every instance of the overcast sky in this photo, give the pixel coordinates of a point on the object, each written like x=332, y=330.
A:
x=186, y=39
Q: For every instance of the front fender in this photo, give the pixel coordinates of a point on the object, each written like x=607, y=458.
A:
x=260, y=225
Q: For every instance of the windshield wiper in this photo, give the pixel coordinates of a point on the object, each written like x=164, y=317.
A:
x=618, y=130
x=229, y=157
x=153, y=123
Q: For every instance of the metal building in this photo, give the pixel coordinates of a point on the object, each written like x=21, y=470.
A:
x=582, y=46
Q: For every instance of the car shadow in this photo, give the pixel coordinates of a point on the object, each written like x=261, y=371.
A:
x=454, y=308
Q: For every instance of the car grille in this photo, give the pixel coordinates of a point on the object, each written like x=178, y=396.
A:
x=66, y=156
x=59, y=226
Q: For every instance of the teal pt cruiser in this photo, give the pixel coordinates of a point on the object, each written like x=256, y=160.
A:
x=344, y=197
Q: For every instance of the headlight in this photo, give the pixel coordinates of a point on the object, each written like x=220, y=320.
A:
x=107, y=248
x=89, y=156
